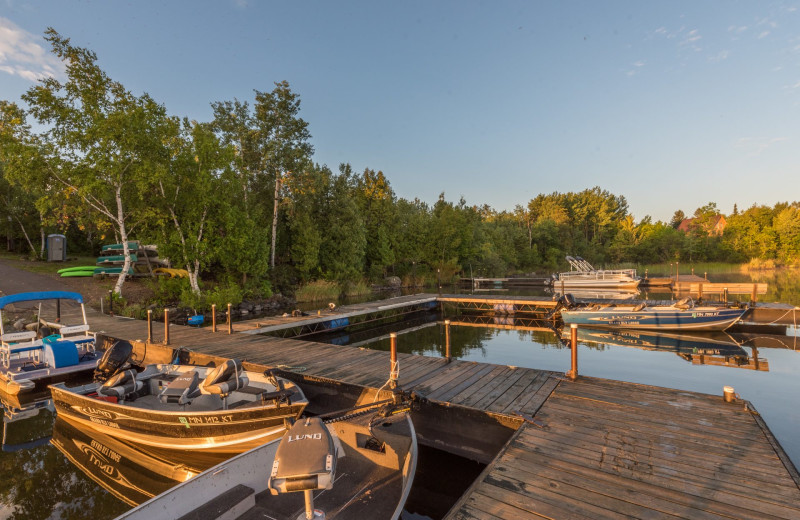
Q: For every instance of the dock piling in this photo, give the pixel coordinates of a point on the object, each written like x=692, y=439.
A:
x=394, y=369
x=213, y=317
x=573, y=340
x=754, y=295
x=166, y=326
x=149, y=326
x=58, y=310
x=447, y=340
x=110, y=303
x=230, y=320
x=725, y=294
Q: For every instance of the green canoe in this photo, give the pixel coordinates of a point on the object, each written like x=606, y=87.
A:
x=115, y=259
x=118, y=247
x=111, y=270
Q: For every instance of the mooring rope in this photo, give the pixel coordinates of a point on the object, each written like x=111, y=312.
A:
x=394, y=375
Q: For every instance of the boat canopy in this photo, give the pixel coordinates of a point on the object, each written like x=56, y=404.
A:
x=40, y=295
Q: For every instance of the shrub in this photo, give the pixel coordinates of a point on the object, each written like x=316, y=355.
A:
x=356, y=288
x=167, y=291
x=318, y=290
x=222, y=295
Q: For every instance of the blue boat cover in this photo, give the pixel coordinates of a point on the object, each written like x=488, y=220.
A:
x=41, y=295
x=60, y=354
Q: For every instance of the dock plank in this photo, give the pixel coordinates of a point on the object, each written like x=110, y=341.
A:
x=618, y=447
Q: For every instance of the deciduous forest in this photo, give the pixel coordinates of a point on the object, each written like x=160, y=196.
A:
x=239, y=199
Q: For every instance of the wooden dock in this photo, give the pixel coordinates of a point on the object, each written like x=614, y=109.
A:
x=593, y=448
x=617, y=450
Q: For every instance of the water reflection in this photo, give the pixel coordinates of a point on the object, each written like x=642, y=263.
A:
x=35, y=480
x=130, y=472
x=718, y=349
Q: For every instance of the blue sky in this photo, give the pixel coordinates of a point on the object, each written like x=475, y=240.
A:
x=671, y=104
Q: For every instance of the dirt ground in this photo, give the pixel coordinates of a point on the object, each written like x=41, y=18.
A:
x=135, y=290
x=19, y=275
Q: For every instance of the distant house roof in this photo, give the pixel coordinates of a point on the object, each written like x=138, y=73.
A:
x=716, y=226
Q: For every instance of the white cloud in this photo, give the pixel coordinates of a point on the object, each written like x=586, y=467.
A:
x=721, y=56
x=763, y=34
x=22, y=54
x=754, y=146
x=692, y=37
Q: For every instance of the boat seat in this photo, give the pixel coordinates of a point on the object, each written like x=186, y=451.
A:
x=225, y=378
x=685, y=304
x=121, y=385
x=182, y=389
x=305, y=459
x=640, y=307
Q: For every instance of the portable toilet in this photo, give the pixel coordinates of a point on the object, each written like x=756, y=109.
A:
x=56, y=248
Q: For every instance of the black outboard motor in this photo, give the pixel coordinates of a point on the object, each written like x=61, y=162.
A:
x=115, y=360
x=566, y=301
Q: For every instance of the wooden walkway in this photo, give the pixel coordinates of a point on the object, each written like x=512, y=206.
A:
x=600, y=449
x=617, y=450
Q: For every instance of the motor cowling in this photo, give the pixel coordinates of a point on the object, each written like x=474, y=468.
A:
x=115, y=360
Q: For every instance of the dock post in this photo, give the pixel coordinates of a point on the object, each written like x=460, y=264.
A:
x=562, y=288
x=573, y=340
x=700, y=291
x=110, y=303
x=149, y=326
x=447, y=340
x=754, y=296
x=677, y=275
x=213, y=317
x=58, y=310
x=166, y=326
x=725, y=294
x=230, y=320
x=394, y=368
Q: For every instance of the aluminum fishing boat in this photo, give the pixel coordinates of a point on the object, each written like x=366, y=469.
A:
x=49, y=353
x=222, y=409
x=683, y=315
x=357, y=467
x=583, y=275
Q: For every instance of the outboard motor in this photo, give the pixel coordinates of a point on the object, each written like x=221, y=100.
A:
x=115, y=360
x=566, y=301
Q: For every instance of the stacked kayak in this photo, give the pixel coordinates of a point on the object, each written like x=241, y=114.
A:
x=143, y=260
x=81, y=270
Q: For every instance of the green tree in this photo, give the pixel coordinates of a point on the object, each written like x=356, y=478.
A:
x=189, y=195
x=99, y=139
x=282, y=139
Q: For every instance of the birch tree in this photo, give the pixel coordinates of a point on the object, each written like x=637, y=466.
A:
x=100, y=140
x=283, y=141
x=189, y=189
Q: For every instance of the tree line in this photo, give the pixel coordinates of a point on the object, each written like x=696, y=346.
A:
x=241, y=200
